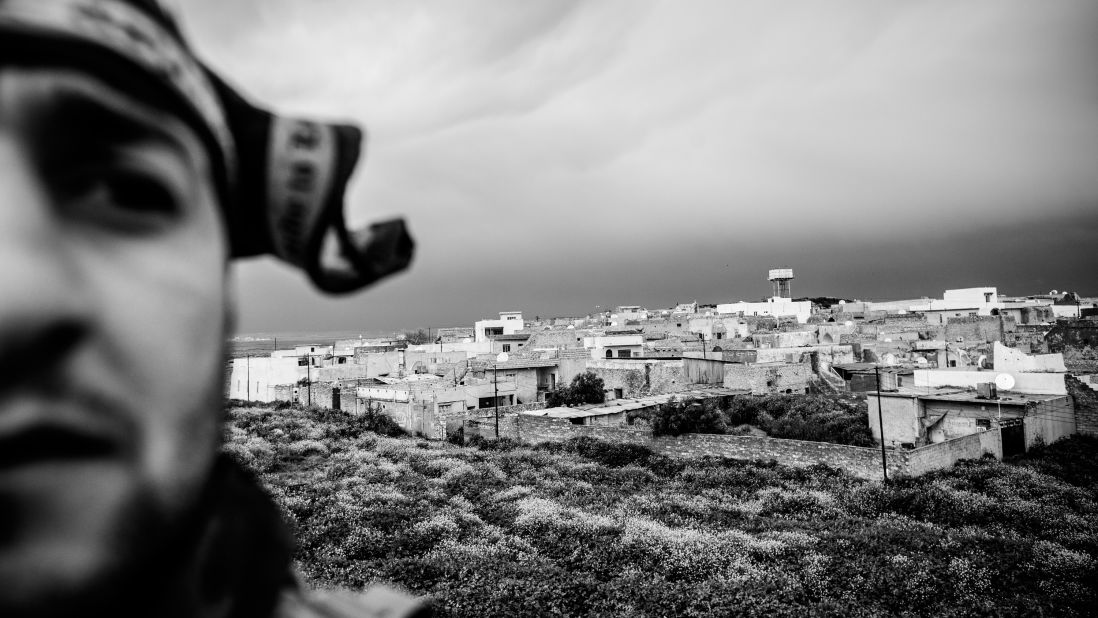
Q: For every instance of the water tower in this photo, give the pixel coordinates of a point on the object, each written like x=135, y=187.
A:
x=781, y=277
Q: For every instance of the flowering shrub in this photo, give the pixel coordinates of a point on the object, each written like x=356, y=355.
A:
x=589, y=528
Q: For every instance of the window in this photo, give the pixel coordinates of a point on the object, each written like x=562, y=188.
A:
x=506, y=347
x=625, y=353
x=720, y=335
x=445, y=407
x=609, y=354
x=619, y=393
x=983, y=424
x=493, y=331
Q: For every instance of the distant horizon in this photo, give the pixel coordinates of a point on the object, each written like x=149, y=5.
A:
x=373, y=332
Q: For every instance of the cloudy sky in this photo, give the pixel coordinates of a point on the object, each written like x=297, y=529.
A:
x=555, y=155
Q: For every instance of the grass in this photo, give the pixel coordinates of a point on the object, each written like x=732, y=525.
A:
x=589, y=528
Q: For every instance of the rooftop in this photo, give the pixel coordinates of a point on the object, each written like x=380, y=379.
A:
x=625, y=405
x=967, y=395
x=521, y=363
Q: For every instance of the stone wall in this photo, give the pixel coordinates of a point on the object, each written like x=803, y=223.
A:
x=978, y=328
x=1086, y=406
x=858, y=461
x=640, y=378
x=763, y=379
x=1072, y=334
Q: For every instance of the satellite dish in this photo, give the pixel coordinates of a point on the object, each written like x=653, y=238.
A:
x=921, y=361
x=503, y=357
x=849, y=323
x=1004, y=381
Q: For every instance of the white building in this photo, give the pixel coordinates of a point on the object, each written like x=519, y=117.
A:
x=254, y=379
x=615, y=346
x=625, y=313
x=775, y=307
x=958, y=304
x=509, y=323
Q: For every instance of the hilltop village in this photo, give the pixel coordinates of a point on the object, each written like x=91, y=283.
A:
x=971, y=373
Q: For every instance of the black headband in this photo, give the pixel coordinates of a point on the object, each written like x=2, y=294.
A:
x=282, y=180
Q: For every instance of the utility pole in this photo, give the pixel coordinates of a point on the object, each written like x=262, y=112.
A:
x=309, y=376
x=249, y=377
x=880, y=422
x=701, y=337
x=495, y=388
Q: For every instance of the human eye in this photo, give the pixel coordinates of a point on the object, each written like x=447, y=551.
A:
x=121, y=191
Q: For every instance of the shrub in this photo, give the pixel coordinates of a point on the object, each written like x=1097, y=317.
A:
x=456, y=437
x=836, y=418
x=687, y=416
x=585, y=388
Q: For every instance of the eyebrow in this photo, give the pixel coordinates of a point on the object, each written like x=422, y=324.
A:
x=86, y=114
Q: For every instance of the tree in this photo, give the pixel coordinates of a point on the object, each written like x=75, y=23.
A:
x=585, y=388
x=688, y=415
x=417, y=337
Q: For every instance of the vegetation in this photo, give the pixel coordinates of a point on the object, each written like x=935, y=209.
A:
x=836, y=418
x=677, y=417
x=417, y=337
x=585, y=388
x=589, y=528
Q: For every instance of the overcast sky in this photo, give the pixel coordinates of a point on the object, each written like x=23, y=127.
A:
x=555, y=155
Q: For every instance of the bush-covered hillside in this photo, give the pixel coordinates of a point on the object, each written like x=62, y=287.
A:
x=587, y=528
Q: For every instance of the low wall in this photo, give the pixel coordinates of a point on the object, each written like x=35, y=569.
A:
x=859, y=461
x=945, y=454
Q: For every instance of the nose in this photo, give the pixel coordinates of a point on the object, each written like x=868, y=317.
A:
x=42, y=314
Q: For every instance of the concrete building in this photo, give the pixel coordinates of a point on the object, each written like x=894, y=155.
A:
x=775, y=307
x=510, y=343
x=533, y=378
x=625, y=314
x=255, y=379
x=509, y=323
x=614, y=346
x=916, y=417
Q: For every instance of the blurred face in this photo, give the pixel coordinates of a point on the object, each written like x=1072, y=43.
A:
x=112, y=318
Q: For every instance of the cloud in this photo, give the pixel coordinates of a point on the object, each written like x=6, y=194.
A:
x=616, y=130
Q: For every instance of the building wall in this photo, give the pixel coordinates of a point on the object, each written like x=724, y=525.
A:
x=828, y=354
x=1009, y=359
x=945, y=454
x=1050, y=421
x=700, y=371
x=509, y=324
x=254, y=379
x=784, y=340
x=640, y=378
x=901, y=420
x=763, y=379
x=1085, y=401
x=775, y=307
x=1072, y=334
x=974, y=329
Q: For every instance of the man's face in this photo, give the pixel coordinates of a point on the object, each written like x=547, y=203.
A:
x=112, y=318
